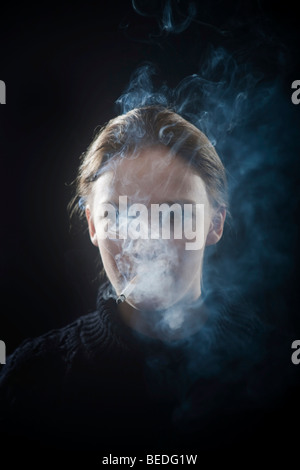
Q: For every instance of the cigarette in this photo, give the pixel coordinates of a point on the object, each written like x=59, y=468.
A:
x=127, y=291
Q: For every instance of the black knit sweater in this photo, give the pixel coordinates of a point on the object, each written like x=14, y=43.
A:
x=97, y=384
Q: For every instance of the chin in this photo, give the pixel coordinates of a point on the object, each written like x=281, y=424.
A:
x=153, y=303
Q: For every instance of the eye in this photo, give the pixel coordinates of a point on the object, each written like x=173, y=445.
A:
x=189, y=217
x=137, y=214
x=172, y=221
x=116, y=210
x=173, y=218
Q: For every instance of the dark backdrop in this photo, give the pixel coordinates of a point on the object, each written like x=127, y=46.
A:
x=64, y=67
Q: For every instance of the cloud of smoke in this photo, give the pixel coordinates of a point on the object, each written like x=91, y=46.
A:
x=246, y=117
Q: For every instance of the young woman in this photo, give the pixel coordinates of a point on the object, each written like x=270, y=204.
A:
x=156, y=358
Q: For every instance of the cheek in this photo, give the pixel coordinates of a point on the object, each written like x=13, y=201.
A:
x=184, y=268
x=110, y=251
x=189, y=262
x=113, y=252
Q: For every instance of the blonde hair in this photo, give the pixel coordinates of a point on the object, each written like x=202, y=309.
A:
x=148, y=127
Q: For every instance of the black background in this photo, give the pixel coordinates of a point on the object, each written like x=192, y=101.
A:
x=64, y=67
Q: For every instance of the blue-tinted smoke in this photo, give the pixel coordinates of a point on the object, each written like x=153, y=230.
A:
x=245, y=113
x=170, y=24
x=248, y=120
x=173, y=18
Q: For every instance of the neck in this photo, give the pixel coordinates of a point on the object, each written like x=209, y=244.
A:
x=174, y=323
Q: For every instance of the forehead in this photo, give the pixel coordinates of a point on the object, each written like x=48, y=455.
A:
x=153, y=174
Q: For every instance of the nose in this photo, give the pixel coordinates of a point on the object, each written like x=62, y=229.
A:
x=151, y=250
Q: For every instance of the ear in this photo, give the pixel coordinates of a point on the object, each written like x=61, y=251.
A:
x=92, y=230
x=216, y=227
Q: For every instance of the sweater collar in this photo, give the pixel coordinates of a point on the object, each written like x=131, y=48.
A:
x=104, y=332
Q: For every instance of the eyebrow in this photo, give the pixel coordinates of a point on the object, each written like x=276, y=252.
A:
x=169, y=202
x=181, y=202
x=113, y=203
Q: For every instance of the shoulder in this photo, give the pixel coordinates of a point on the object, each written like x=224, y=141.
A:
x=42, y=361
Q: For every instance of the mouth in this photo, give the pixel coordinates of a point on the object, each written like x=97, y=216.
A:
x=139, y=263
x=139, y=278
x=128, y=289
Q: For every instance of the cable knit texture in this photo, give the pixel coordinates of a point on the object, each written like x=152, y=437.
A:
x=98, y=381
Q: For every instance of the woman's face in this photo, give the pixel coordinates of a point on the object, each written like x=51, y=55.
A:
x=167, y=271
